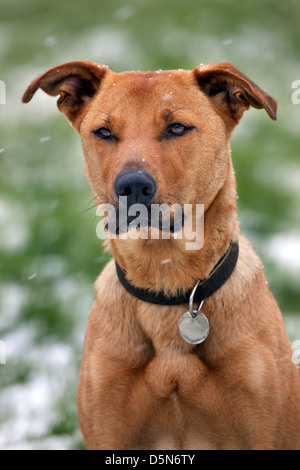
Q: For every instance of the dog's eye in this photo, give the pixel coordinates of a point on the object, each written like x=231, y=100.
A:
x=178, y=129
x=103, y=133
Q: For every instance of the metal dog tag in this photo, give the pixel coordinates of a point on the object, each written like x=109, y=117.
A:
x=193, y=325
x=194, y=330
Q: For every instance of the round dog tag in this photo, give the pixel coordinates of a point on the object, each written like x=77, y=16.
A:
x=194, y=330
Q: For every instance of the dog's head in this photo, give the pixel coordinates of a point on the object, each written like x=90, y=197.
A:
x=154, y=137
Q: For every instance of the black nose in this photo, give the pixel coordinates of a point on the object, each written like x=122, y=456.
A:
x=138, y=186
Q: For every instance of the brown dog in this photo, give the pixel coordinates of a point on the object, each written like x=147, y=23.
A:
x=163, y=137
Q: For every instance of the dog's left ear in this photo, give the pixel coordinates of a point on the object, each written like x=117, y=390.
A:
x=75, y=82
x=232, y=92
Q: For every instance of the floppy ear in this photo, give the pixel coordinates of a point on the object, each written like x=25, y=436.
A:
x=75, y=82
x=232, y=92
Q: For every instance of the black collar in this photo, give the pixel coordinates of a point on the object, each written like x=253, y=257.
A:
x=218, y=276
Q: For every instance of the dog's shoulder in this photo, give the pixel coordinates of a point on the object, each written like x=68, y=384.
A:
x=107, y=277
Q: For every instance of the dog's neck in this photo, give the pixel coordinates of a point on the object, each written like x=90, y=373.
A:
x=166, y=264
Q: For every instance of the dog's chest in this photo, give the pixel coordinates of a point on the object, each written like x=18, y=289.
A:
x=171, y=373
x=186, y=403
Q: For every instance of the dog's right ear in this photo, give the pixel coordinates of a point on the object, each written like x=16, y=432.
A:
x=75, y=82
x=232, y=92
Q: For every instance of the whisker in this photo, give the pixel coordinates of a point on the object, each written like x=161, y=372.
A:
x=180, y=199
x=94, y=218
x=228, y=163
x=87, y=209
x=93, y=203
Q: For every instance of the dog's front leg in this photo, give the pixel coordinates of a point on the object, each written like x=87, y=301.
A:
x=114, y=402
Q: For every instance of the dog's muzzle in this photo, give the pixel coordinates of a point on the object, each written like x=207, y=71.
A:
x=135, y=191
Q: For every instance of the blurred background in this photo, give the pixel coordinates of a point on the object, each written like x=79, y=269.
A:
x=49, y=251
